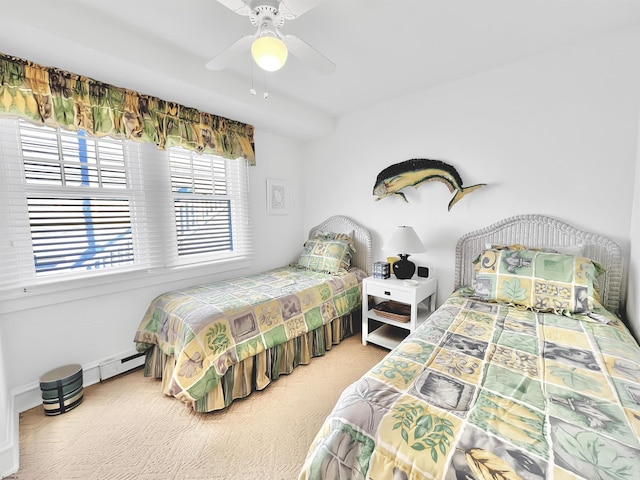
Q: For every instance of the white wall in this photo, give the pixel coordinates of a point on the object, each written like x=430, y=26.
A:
x=633, y=294
x=555, y=134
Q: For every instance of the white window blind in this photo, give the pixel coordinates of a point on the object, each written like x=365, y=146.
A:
x=210, y=205
x=16, y=254
x=78, y=200
x=79, y=233
x=73, y=204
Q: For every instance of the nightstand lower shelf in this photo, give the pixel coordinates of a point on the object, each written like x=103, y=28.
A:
x=387, y=336
x=423, y=314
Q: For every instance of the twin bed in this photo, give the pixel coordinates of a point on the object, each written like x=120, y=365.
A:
x=213, y=343
x=521, y=373
x=525, y=371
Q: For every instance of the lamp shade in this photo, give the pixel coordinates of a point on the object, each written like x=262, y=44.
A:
x=404, y=240
x=270, y=53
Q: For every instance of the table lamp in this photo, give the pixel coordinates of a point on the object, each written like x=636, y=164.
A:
x=404, y=242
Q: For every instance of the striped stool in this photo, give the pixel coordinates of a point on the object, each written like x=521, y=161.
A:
x=61, y=389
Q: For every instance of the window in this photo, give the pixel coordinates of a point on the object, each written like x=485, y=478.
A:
x=78, y=200
x=202, y=204
x=75, y=205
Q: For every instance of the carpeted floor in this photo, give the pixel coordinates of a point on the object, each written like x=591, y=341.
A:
x=127, y=429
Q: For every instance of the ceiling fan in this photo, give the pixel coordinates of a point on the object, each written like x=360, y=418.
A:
x=269, y=46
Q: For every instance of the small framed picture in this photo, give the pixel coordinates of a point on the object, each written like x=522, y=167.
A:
x=277, y=197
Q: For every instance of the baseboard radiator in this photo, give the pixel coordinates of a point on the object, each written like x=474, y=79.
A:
x=121, y=364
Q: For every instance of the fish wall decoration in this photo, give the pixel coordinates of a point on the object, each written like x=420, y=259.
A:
x=416, y=171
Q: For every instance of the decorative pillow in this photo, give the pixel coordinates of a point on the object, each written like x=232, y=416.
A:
x=538, y=280
x=322, y=254
x=338, y=236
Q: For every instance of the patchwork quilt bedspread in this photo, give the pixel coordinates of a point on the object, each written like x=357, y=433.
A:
x=209, y=327
x=490, y=391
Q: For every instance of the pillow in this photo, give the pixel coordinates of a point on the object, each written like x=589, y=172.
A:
x=338, y=236
x=327, y=255
x=577, y=250
x=542, y=281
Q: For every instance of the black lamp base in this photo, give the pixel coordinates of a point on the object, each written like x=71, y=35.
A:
x=404, y=269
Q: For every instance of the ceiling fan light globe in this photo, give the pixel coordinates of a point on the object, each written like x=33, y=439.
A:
x=270, y=53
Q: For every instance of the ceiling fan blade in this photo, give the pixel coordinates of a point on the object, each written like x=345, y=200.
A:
x=294, y=8
x=309, y=55
x=237, y=6
x=222, y=60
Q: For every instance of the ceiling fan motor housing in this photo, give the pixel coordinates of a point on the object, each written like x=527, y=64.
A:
x=266, y=14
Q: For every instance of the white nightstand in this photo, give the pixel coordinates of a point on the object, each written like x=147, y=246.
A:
x=419, y=293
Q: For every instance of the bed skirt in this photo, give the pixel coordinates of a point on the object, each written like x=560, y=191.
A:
x=256, y=372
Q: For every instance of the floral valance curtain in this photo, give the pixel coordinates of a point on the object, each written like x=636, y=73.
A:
x=57, y=98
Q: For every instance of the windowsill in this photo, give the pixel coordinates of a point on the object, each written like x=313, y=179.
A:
x=41, y=295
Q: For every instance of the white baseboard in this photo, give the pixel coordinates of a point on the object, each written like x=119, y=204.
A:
x=30, y=396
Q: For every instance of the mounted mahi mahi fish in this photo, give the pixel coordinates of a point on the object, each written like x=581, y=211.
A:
x=417, y=170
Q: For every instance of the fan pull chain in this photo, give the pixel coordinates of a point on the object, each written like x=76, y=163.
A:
x=265, y=95
x=252, y=91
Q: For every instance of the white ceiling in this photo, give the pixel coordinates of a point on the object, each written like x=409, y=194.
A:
x=383, y=49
